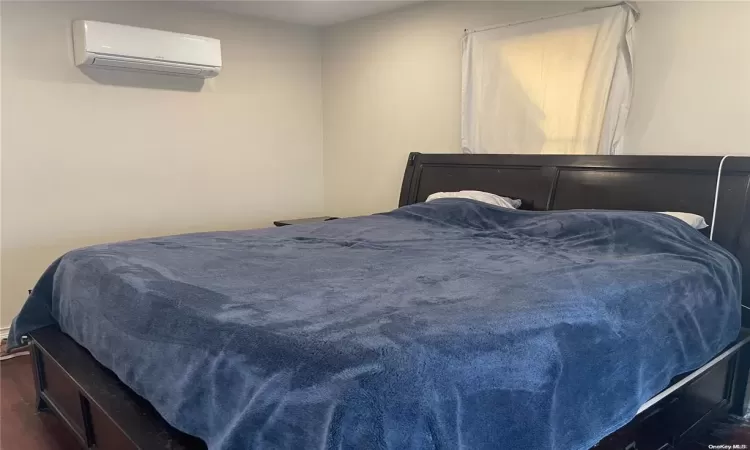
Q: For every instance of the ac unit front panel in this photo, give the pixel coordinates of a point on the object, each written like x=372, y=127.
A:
x=141, y=43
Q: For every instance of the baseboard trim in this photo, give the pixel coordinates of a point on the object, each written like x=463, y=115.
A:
x=4, y=332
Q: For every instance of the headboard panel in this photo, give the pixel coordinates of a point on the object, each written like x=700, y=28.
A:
x=527, y=183
x=645, y=183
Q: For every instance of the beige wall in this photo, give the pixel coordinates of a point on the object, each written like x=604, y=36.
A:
x=391, y=85
x=131, y=155
x=101, y=156
x=692, y=79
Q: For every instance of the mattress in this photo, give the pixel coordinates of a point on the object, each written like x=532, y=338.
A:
x=449, y=324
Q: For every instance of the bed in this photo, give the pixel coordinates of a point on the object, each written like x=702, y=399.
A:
x=365, y=348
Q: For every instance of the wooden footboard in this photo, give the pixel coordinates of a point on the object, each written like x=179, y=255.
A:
x=103, y=413
x=100, y=410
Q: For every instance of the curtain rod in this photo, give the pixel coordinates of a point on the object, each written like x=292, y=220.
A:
x=629, y=4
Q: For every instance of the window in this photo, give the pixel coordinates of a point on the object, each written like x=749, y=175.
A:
x=559, y=85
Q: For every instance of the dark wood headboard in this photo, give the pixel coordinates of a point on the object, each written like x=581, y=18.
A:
x=641, y=183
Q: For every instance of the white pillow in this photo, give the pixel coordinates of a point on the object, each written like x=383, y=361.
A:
x=694, y=220
x=479, y=196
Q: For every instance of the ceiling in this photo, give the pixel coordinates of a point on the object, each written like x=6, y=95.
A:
x=309, y=12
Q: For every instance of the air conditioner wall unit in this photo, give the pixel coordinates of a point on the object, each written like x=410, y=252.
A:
x=111, y=46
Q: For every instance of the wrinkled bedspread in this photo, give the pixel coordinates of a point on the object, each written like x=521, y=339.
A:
x=441, y=325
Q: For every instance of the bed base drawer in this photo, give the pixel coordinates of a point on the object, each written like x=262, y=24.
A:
x=681, y=415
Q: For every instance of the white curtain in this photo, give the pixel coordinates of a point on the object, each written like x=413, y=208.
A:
x=555, y=85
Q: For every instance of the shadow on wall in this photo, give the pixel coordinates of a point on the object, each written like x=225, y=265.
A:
x=146, y=80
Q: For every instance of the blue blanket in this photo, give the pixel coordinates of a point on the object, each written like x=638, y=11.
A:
x=449, y=324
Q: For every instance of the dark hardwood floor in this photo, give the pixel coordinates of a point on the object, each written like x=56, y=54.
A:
x=22, y=428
